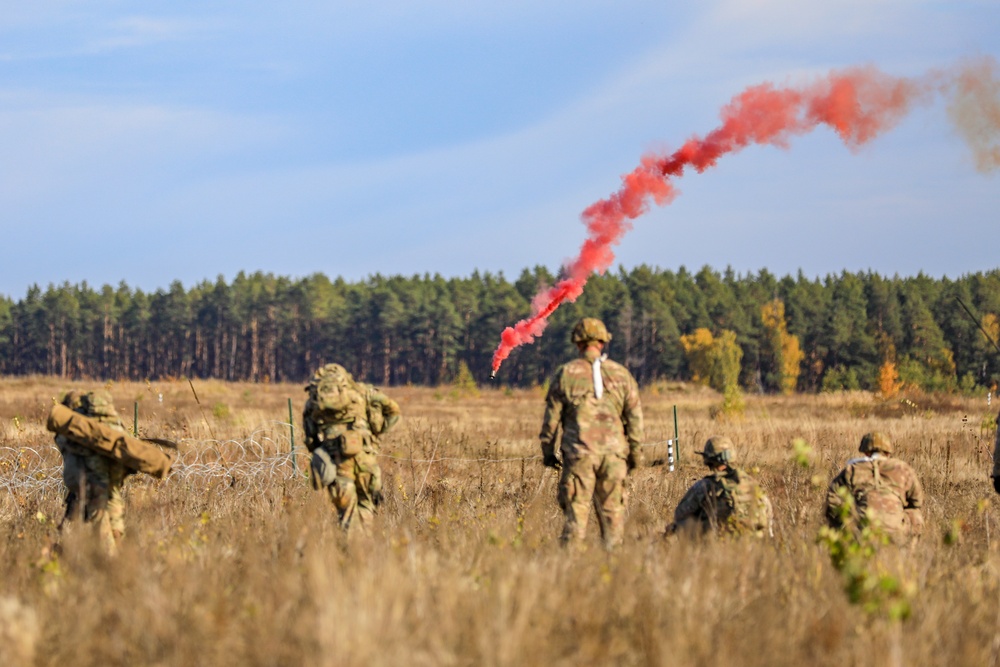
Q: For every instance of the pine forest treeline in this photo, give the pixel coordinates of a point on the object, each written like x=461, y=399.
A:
x=845, y=330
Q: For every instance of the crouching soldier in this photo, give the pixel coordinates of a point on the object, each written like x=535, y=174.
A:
x=879, y=491
x=342, y=421
x=727, y=500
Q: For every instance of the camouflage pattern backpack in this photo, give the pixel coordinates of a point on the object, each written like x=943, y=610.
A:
x=742, y=505
x=98, y=404
x=332, y=396
x=879, y=490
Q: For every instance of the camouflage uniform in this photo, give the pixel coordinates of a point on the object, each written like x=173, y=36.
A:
x=94, y=482
x=727, y=500
x=345, y=453
x=885, y=492
x=600, y=436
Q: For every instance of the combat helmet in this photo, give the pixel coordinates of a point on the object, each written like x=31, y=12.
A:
x=331, y=369
x=875, y=442
x=590, y=329
x=718, y=449
x=74, y=401
x=99, y=405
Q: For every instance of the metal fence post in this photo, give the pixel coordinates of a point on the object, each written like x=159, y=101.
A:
x=291, y=439
x=677, y=446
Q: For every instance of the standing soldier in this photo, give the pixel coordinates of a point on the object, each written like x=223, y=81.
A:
x=94, y=482
x=726, y=500
x=342, y=422
x=877, y=490
x=596, y=402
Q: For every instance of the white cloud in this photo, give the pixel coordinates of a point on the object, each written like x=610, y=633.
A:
x=141, y=31
x=55, y=146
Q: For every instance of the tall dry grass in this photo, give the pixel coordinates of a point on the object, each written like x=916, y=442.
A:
x=463, y=567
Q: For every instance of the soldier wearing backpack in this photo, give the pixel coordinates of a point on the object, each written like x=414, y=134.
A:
x=94, y=482
x=342, y=421
x=727, y=500
x=877, y=490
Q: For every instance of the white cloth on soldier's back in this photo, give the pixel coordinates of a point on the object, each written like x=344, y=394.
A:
x=598, y=379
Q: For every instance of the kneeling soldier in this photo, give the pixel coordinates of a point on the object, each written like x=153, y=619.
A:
x=877, y=490
x=727, y=500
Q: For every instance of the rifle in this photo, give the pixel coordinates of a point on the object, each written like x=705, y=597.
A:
x=978, y=324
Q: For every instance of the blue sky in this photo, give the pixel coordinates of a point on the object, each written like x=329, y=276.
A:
x=160, y=141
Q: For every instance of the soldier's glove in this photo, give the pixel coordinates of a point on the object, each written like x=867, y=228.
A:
x=635, y=460
x=551, y=461
x=996, y=484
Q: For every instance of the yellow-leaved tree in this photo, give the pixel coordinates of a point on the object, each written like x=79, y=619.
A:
x=715, y=361
x=889, y=382
x=785, y=350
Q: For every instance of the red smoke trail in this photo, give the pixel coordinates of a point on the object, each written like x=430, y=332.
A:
x=858, y=104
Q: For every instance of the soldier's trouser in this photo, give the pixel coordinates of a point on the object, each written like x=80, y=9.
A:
x=597, y=479
x=357, y=489
x=94, y=488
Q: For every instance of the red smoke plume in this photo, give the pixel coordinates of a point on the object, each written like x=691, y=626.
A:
x=858, y=104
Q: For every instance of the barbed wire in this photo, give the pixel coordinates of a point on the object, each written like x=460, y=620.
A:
x=245, y=466
x=494, y=460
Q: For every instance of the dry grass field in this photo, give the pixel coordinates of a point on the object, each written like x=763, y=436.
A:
x=236, y=561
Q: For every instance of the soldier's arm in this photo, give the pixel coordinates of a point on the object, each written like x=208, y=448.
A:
x=915, y=493
x=309, y=432
x=553, y=417
x=691, y=505
x=836, y=496
x=390, y=410
x=632, y=415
